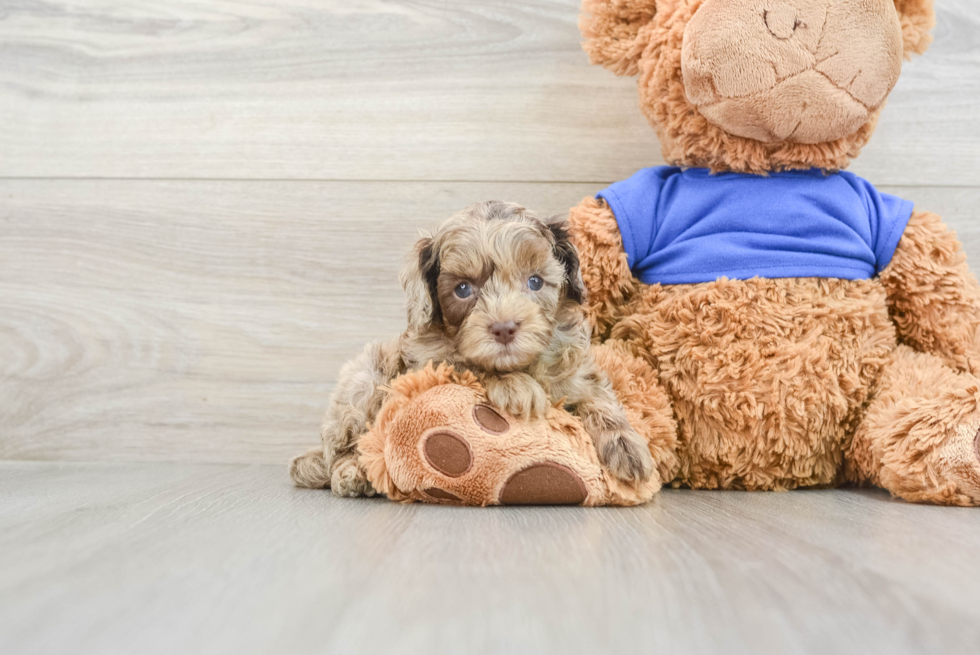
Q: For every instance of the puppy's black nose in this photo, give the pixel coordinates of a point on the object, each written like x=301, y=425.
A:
x=504, y=331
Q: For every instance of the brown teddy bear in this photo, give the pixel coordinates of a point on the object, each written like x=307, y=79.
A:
x=799, y=328
x=807, y=329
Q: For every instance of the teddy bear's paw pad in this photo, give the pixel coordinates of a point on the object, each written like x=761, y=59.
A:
x=440, y=494
x=544, y=484
x=489, y=420
x=976, y=444
x=448, y=453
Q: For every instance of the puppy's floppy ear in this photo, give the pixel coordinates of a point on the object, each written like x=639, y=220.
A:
x=420, y=278
x=614, y=32
x=918, y=17
x=567, y=254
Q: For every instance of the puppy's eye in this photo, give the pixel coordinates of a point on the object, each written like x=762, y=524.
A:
x=463, y=290
x=534, y=283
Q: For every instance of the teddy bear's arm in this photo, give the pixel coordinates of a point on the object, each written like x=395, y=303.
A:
x=933, y=297
x=605, y=270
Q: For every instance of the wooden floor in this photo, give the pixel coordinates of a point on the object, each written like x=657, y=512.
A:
x=199, y=558
x=203, y=208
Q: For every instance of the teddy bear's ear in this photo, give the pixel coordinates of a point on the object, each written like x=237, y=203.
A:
x=612, y=31
x=918, y=18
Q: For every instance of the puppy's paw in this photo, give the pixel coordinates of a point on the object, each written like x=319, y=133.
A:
x=625, y=454
x=349, y=479
x=310, y=470
x=518, y=395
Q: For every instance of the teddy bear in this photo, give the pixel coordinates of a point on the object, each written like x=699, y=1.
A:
x=808, y=329
x=792, y=325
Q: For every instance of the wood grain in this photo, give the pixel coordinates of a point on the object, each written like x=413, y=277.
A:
x=200, y=320
x=366, y=90
x=206, y=321
x=176, y=558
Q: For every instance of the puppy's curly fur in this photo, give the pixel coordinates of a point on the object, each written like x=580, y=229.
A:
x=498, y=292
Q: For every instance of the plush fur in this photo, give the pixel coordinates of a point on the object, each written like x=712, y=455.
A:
x=785, y=383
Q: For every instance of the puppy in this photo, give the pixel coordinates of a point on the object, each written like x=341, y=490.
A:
x=498, y=292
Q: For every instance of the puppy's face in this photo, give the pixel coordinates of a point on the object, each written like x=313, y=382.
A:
x=494, y=281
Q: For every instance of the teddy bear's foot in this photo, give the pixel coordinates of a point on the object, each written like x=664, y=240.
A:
x=546, y=483
x=959, y=461
x=950, y=475
x=448, y=452
x=920, y=438
x=437, y=439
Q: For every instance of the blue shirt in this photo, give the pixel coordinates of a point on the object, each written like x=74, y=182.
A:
x=688, y=226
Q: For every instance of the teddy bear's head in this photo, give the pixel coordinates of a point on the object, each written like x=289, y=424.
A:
x=759, y=85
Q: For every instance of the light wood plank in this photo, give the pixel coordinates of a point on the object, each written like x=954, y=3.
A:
x=364, y=89
x=206, y=321
x=170, y=558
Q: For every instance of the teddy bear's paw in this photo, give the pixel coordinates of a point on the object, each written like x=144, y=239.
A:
x=437, y=495
x=962, y=456
x=448, y=453
x=956, y=472
x=626, y=456
x=349, y=479
x=489, y=420
x=546, y=483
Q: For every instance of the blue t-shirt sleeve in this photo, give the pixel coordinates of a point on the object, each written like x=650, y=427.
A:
x=889, y=217
x=634, y=203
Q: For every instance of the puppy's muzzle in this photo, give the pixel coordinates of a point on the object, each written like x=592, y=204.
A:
x=504, y=332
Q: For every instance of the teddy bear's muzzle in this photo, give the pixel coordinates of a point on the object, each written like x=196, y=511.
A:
x=799, y=71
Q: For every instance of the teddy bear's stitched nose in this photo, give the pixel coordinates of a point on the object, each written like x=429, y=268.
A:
x=782, y=20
